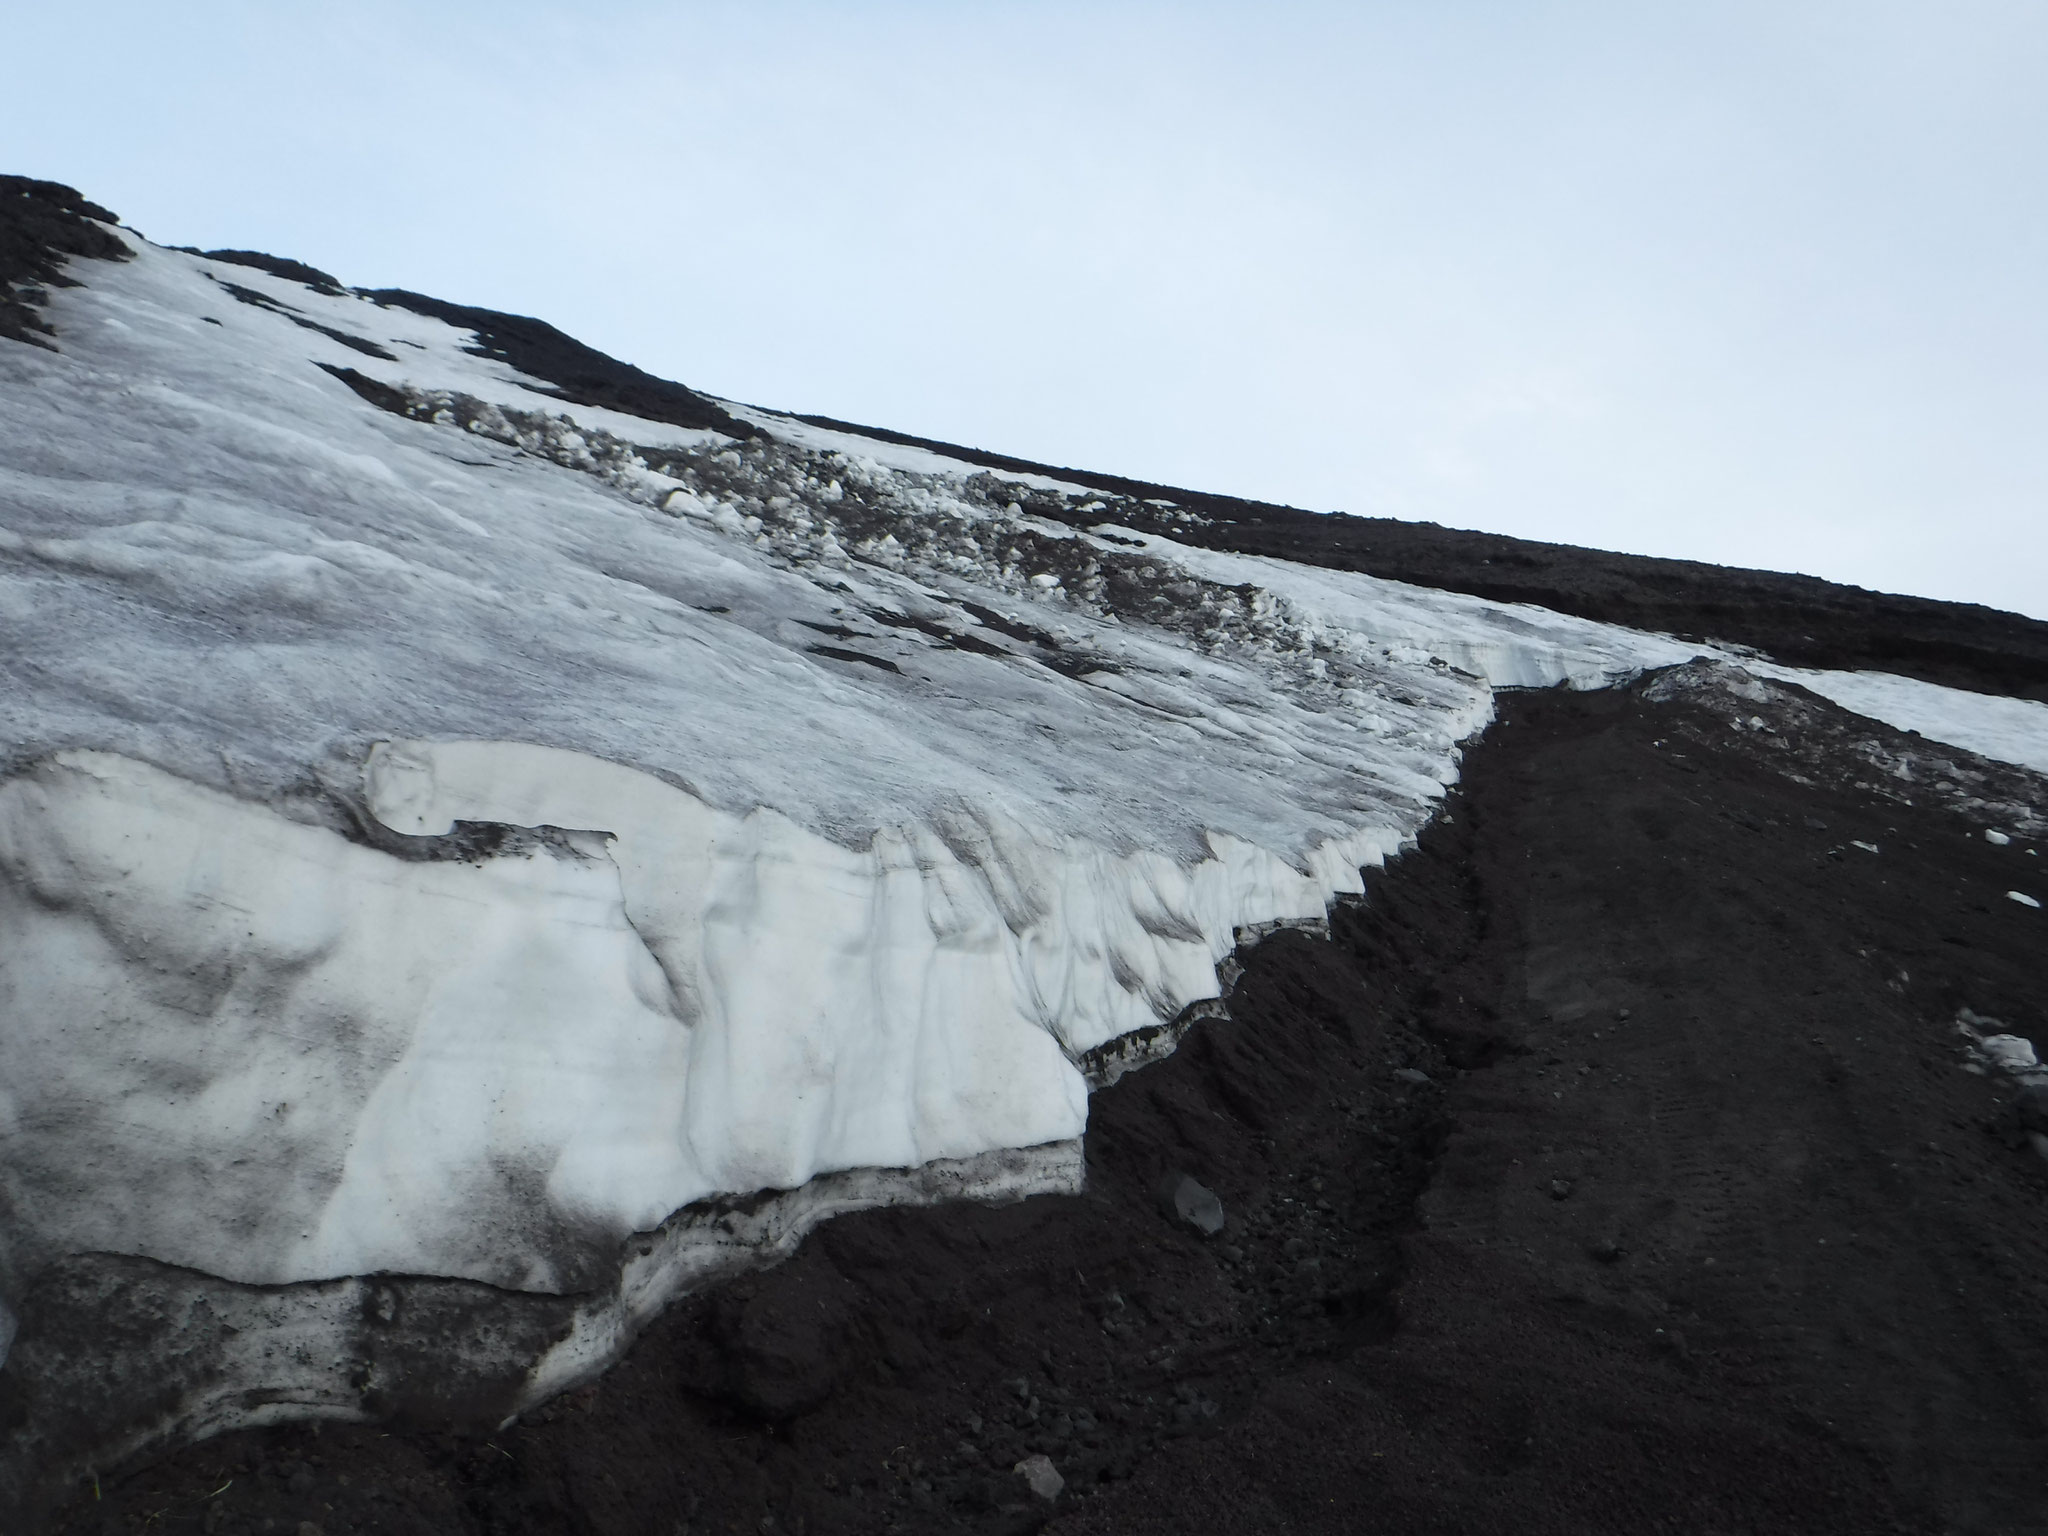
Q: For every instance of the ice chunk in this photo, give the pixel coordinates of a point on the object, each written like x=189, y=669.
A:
x=2011, y=1053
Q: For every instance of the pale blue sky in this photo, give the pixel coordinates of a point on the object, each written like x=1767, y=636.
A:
x=1763, y=284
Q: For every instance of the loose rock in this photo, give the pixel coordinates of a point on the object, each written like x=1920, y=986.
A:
x=2031, y=1107
x=1186, y=1199
x=1041, y=1476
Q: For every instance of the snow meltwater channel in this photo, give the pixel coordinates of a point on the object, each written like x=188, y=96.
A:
x=447, y=831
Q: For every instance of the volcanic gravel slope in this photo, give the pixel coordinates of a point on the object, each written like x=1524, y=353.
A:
x=1698, y=1224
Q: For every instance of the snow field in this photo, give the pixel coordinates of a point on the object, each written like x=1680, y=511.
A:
x=813, y=915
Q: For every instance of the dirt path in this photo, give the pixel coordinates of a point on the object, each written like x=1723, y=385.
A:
x=1613, y=1168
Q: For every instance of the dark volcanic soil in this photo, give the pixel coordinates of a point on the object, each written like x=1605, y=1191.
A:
x=42, y=225
x=1697, y=1224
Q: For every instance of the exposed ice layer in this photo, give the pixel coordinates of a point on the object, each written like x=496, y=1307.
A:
x=913, y=799
x=972, y=924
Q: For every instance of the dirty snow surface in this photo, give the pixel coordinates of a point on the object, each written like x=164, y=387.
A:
x=447, y=831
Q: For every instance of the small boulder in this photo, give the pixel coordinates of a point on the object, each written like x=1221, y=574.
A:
x=1041, y=1477
x=1185, y=1199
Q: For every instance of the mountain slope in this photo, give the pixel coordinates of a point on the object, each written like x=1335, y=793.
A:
x=494, y=842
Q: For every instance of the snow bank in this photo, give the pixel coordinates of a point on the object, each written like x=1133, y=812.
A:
x=452, y=845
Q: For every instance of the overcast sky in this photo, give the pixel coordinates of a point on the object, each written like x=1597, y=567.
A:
x=1763, y=284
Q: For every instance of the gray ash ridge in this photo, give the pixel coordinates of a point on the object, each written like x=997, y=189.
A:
x=1616, y=1164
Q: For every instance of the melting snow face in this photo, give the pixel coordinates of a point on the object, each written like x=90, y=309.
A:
x=445, y=833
